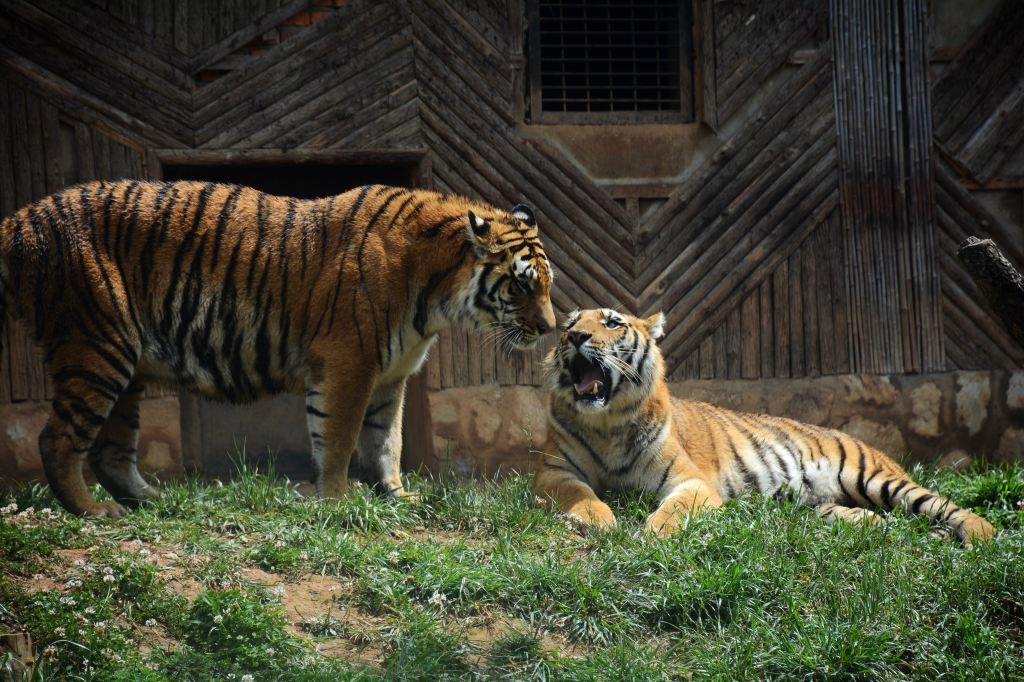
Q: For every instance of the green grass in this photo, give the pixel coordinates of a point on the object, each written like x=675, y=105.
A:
x=476, y=581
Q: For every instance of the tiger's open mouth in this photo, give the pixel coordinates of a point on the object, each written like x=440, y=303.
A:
x=590, y=380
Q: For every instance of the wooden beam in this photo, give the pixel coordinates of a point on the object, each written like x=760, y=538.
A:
x=998, y=280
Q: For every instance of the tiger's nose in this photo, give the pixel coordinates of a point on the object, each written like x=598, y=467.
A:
x=578, y=338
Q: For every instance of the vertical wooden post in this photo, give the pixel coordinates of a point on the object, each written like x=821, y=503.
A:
x=884, y=135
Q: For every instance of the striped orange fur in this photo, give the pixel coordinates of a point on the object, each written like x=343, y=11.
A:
x=613, y=425
x=235, y=294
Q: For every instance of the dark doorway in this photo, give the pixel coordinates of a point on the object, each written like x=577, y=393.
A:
x=216, y=436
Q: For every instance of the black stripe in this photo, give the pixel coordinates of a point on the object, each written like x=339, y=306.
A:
x=315, y=412
x=569, y=459
x=436, y=228
x=916, y=507
x=222, y=222
x=862, y=489
x=257, y=250
x=419, y=322
x=885, y=495
x=896, y=492
x=593, y=454
x=664, y=477
x=377, y=408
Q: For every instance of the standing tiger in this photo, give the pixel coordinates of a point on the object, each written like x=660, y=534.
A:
x=612, y=424
x=235, y=294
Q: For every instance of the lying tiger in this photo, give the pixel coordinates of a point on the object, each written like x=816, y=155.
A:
x=613, y=425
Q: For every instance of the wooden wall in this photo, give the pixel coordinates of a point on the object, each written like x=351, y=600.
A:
x=816, y=237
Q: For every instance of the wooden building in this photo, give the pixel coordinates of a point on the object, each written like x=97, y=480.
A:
x=787, y=180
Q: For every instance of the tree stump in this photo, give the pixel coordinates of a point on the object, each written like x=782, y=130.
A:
x=998, y=280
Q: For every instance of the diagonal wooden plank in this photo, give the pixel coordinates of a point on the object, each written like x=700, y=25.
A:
x=297, y=71
x=370, y=126
x=263, y=125
x=713, y=184
x=247, y=33
x=704, y=226
x=755, y=265
x=81, y=104
x=334, y=32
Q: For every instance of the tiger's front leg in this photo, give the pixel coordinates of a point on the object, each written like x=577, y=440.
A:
x=689, y=496
x=335, y=409
x=380, y=439
x=562, y=488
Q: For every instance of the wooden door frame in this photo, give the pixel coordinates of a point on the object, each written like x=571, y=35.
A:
x=418, y=426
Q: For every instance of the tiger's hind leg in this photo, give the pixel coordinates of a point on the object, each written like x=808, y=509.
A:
x=114, y=457
x=89, y=378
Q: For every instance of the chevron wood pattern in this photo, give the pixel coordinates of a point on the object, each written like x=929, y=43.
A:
x=979, y=120
x=749, y=254
x=979, y=101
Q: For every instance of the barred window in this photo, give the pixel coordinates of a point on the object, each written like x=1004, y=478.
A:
x=615, y=61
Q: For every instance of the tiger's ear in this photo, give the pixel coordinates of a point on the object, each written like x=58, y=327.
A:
x=655, y=325
x=480, y=234
x=524, y=214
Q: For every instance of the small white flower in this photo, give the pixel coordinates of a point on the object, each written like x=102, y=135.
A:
x=9, y=509
x=79, y=562
x=100, y=625
x=89, y=610
x=144, y=551
x=74, y=582
x=218, y=619
x=38, y=576
x=437, y=599
x=270, y=651
x=108, y=578
x=278, y=590
x=108, y=569
x=49, y=651
x=304, y=556
x=59, y=631
x=150, y=622
x=247, y=678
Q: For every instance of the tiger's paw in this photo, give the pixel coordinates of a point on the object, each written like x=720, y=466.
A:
x=593, y=516
x=663, y=523
x=864, y=517
x=975, y=529
x=111, y=510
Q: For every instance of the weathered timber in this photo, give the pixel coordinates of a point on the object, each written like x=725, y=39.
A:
x=998, y=280
x=83, y=105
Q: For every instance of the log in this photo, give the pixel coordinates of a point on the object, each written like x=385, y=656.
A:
x=998, y=280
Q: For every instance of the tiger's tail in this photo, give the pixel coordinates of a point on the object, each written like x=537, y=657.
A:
x=894, y=491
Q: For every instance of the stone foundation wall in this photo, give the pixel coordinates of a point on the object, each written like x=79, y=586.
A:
x=952, y=417
x=159, y=439
x=491, y=430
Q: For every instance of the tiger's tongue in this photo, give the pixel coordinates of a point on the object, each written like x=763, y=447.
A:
x=591, y=377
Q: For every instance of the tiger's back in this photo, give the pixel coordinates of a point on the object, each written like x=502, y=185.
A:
x=613, y=425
